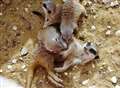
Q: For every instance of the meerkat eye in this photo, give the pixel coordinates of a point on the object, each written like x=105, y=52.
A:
x=44, y=5
x=93, y=51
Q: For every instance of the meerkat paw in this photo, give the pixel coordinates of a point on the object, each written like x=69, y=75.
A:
x=56, y=78
x=55, y=82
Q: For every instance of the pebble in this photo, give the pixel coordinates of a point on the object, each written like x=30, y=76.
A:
x=1, y=13
x=1, y=70
x=21, y=58
x=14, y=28
x=85, y=82
x=24, y=51
x=93, y=28
x=117, y=33
x=23, y=66
x=26, y=9
x=114, y=3
x=117, y=86
x=66, y=73
x=9, y=67
x=14, y=61
x=108, y=32
x=114, y=79
x=25, y=70
x=109, y=27
x=109, y=68
x=92, y=86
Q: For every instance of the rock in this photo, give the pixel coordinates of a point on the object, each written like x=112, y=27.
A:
x=14, y=27
x=1, y=13
x=114, y=3
x=114, y=79
x=109, y=27
x=117, y=86
x=93, y=28
x=92, y=86
x=85, y=82
x=14, y=61
x=23, y=66
x=26, y=9
x=24, y=51
x=1, y=70
x=65, y=73
x=117, y=33
x=108, y=32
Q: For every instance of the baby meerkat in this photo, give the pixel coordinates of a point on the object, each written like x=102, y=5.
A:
x=77, y=53
x=49, y=46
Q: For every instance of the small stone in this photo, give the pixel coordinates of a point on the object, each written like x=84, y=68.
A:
x=117, y=86
x=25, y=70
x=93, y=27
x=14, y=61
x=26, y=9
x=24, y=51
x=109, y=27
x=114, y=3
x=114, y=79
x=110, y=70
x=1, y=13
x=117, y=33
x=85, y=82
x=74, y=77
x=23, y=66
x=92, y=86
x=21, y=58
x=108, y=32
x=9, y=67
x=1, y=70
x=14, y=28
x=66, y=73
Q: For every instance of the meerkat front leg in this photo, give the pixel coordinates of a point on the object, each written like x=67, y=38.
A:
x=68, y=64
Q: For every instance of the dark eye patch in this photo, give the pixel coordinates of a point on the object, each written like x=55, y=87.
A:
x=93, y=51
x=44, y=5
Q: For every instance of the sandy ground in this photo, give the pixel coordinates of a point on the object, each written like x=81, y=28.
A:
x=19, y=28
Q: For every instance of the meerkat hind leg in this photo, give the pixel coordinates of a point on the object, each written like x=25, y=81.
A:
x=54, y=82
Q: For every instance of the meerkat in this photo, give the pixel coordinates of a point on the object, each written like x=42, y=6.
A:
x=71, y=11
x=78, y=53
x=52, y=13
x=50, y=47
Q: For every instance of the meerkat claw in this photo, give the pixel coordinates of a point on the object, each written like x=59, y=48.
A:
x=55, y=82
x=55, y=77
x=59, y=69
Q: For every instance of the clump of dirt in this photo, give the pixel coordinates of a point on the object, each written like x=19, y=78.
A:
x=19, y=28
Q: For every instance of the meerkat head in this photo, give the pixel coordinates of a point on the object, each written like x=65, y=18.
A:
x=49, y=9
x=89, y=52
